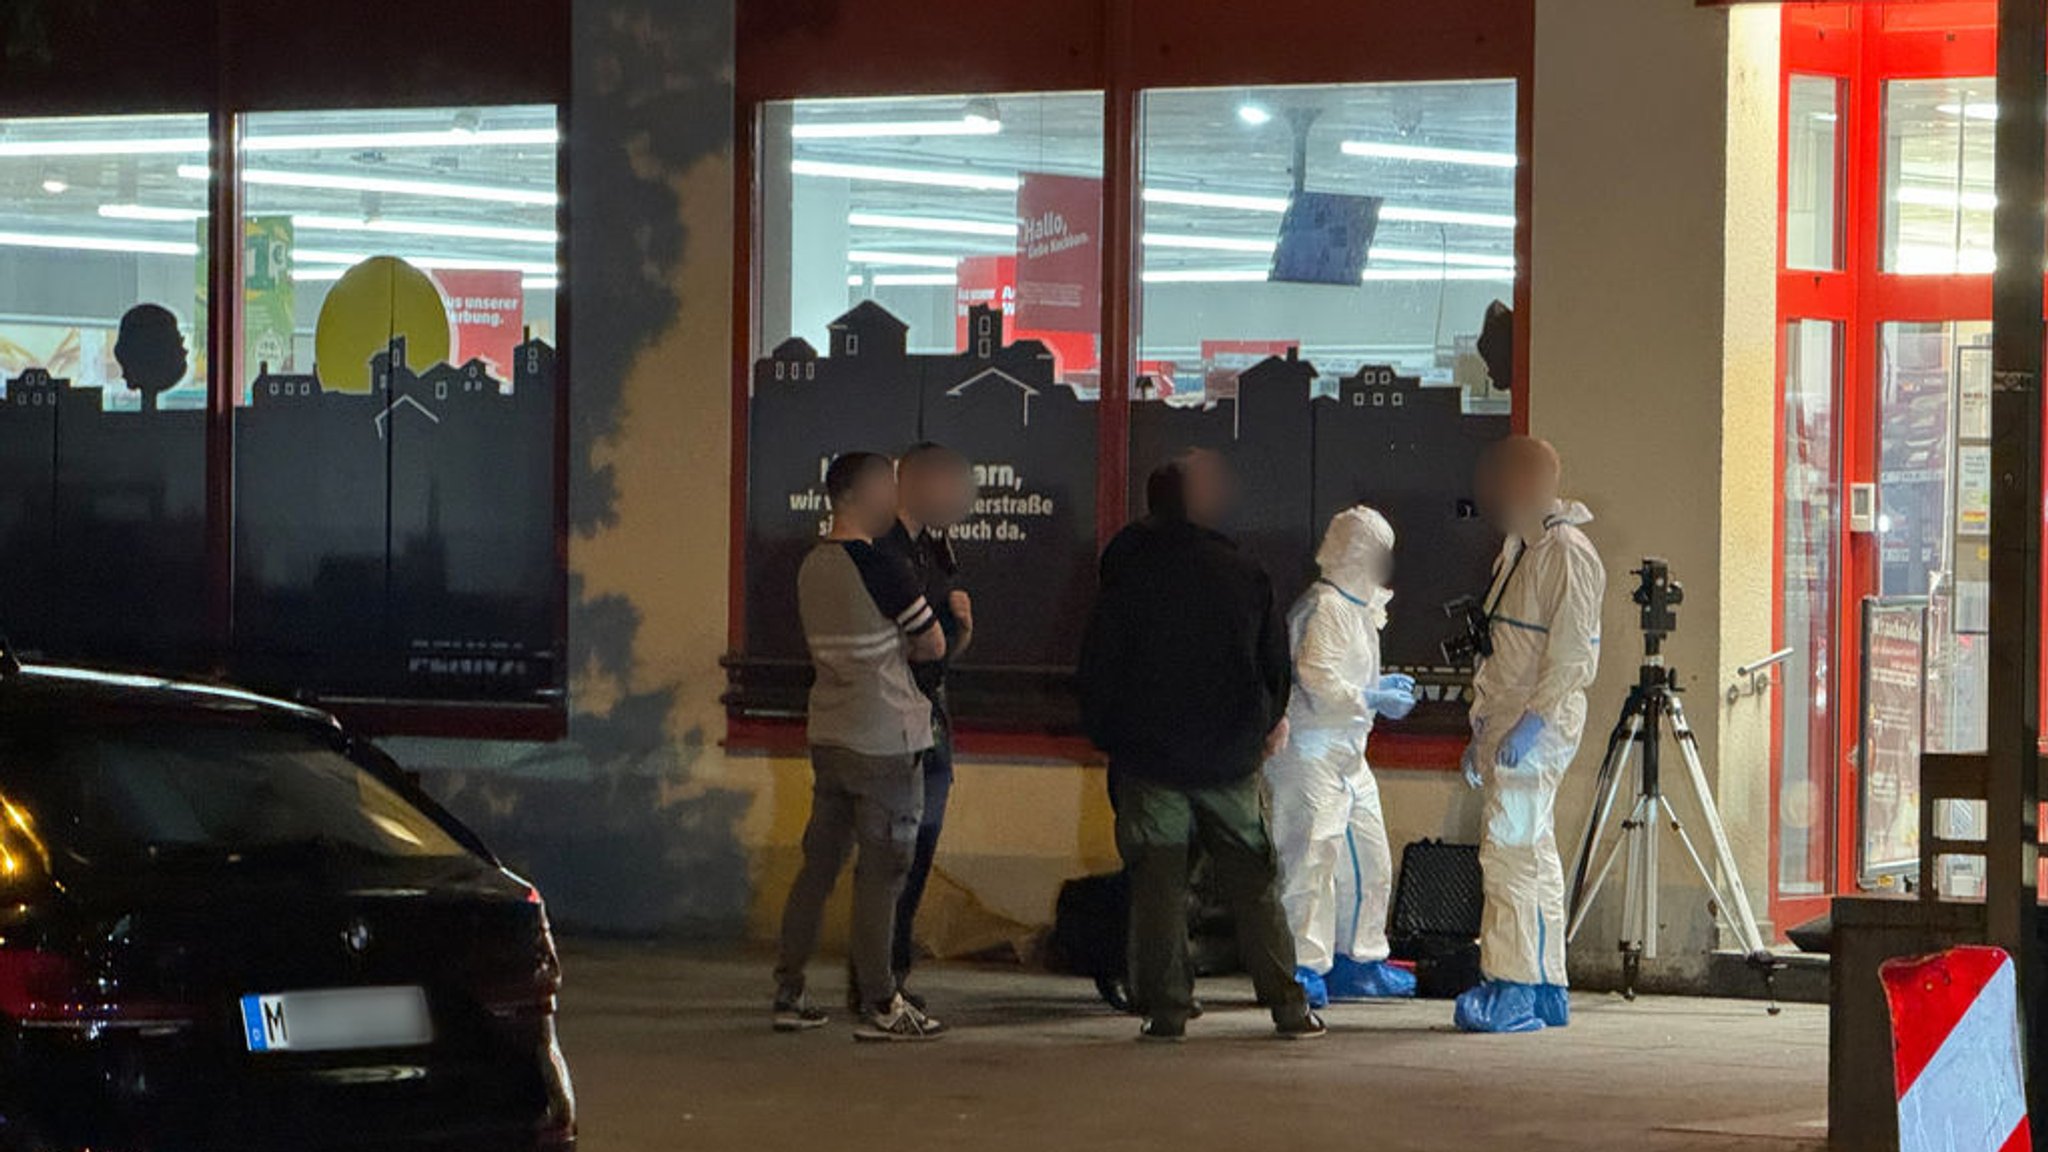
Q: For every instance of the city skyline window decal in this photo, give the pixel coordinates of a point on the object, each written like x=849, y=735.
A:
x=441, y=588
x=1303, y=450
x=102, y=428
x=394, y=468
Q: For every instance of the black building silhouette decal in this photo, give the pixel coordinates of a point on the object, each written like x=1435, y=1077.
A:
x=398, y=544
x=1029, y=553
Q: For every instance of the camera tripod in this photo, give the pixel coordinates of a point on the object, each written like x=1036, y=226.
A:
x=1651, y=703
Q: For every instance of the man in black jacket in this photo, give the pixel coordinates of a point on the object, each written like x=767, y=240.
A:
x=1184, y=676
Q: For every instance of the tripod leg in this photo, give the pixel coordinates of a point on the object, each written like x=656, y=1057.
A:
x=1652, y=873
x=1641, y=832
x=1624, y=841
x=1745, y=925
x=1613, y=773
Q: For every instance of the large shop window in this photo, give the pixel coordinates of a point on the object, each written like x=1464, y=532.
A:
x=931, y=269
x=103, y=249
x=1320, y=269
x=395, y=422
x=390, y=414
x=1323, y=285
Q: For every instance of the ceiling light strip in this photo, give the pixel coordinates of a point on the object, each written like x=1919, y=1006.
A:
x=1427, y=154
x=862, y=130
x=496, y=194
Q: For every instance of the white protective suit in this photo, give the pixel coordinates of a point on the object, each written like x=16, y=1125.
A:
x=1546, y=647
x=1336, y=873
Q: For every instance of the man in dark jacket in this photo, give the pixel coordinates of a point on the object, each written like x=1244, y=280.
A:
x=1184, y=676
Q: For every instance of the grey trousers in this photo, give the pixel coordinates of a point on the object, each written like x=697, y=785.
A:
x=875, y=803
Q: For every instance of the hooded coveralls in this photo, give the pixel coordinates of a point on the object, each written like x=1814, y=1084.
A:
x=1546, y=648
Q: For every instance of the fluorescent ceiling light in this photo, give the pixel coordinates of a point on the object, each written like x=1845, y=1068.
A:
x=1447, y=216
x=444, y=138
x=199, y=145
x=316, y=275
x=1259, y=275
x=1254, y=115
x=1203, y=275
x=180, y=146
x=1278, y=204
x=451, y=263
x=541, y=283
x=1974, y=110
x=968, y=125
x=855, y=280
x=496, y=194
x=1399, y=255
x=316, y=223
x=1498, y=275
x=1193, y=199
x=914, y=280
x=902, y=259
x=151, y=213
x=1427, y=154
x=1207, y=243
x=931, y=224
x=56, y=185
x=1431, y=256
x=963, y=178
x=1945, y=198
x=98, y=244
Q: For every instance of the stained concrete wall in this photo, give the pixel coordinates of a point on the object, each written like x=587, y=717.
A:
x=1654, y=385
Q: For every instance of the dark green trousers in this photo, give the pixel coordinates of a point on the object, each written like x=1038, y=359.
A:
x=1157, y=827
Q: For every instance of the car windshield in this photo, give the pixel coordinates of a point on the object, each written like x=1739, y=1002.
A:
x=169, y=789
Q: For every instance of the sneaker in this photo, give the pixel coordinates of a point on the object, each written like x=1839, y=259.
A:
x=798, y=1014
x=898, y=1022
x=1160, y=1032
x=1309, y=1027
x=911, y=998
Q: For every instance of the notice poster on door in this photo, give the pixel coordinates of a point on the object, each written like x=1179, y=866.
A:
x=269, y=301
x=1059, y=253
x=1889, y=744
x=486, y=308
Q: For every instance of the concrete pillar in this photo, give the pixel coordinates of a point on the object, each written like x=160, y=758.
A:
x=1652, y=368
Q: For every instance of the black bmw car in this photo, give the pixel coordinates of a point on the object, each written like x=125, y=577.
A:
x=227, y=924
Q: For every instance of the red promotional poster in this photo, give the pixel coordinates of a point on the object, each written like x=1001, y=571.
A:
x=487, y=310
x=1059, y=253
x=984, y=280
x=993, y=279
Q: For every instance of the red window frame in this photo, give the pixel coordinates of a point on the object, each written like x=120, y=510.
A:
x=789, y=50
x=1863, y=46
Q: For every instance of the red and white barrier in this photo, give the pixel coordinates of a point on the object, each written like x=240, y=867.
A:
x=1956, y=1052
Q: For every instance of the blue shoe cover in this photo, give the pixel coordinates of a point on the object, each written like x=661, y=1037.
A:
x=1373, y=980
x=1553, y=1005
x=1498, y=1006
x=1312, y=983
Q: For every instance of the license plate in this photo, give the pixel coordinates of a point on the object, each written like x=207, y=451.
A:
x=337, y=1020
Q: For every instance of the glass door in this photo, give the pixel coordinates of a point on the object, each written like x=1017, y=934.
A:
x=1810, y=531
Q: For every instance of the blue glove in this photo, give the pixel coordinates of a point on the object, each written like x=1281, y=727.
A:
x=1470, y=764
x=1519, y=740
x=1394, y=698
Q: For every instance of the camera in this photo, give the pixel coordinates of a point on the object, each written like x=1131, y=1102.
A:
x=1659, y=596
x=1475, y=642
